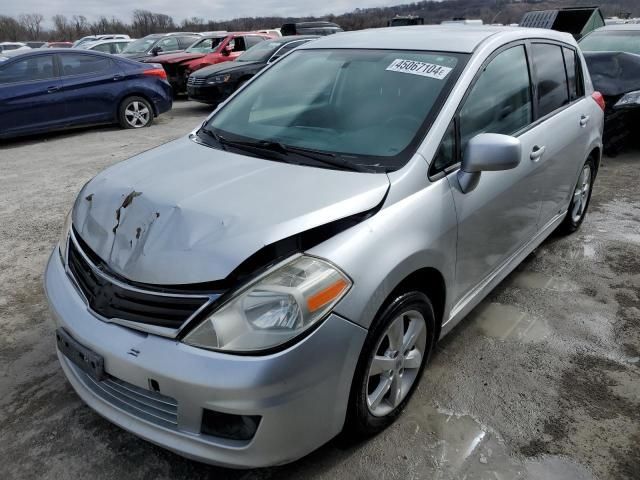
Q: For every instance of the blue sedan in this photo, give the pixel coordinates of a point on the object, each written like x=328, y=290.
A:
x=57, y=89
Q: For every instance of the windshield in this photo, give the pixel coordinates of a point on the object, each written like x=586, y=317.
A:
x=612, y=41
x=140, y=46
x=260, y=52
x=367, y=106
x=206, y=45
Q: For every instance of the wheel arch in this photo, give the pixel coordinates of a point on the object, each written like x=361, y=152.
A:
x=136, y=93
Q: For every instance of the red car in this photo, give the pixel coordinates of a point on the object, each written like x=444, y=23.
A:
x=209, y=50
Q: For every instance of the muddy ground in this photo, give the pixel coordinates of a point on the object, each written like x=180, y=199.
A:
x=541, y=381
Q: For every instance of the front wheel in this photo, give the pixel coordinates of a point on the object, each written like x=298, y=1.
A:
x=393, y=357
x=579, y=200
x=135, y=112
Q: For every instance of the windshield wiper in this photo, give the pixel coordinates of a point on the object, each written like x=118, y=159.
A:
x=326, y=158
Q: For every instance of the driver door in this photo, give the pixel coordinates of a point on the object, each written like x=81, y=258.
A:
x=500, y=215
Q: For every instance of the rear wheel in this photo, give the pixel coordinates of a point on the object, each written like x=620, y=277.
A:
x=393, y=357
x=579, y=200
x=135, y=112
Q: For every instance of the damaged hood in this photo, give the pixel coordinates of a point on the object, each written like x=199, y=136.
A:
x=614, y=73
x=185, y=213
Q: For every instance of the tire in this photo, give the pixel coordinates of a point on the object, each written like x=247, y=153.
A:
x=365, y=417
x=579, y=199
x=128, y=109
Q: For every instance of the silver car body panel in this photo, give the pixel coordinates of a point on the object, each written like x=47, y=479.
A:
x=217, y=208
x=191, y=214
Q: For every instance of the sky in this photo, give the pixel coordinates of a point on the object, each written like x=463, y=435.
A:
x=208, y=9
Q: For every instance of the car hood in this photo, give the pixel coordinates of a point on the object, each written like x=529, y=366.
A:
x=175, y=57
x=226, y=67
x=614, y=73
x=133, y=56
x=186, y=213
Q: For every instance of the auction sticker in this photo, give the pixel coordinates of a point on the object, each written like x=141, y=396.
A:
x=423, y=69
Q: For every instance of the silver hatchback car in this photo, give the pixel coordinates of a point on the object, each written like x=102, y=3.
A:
x=242, y=295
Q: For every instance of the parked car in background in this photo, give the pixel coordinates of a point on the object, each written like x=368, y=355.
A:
x=613, y=56
x=107, y=46
x=34, y=44
x=310, y=28
x=10, y=49
x=215, y=83
x=158, y=44
x=57, y=45
x=44, y=90
x=400, y=21
x=273, y=32
x=209, y=50
x=245, y=293
x=95, y=38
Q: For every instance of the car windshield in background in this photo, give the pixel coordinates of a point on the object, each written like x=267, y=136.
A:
x=260, y=52
x=140, y=46
x=612, y=41
x=361, y=107
x=206, y=45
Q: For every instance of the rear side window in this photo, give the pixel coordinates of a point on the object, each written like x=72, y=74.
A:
x=28, y=70
x=500, y=101
x=78, y=64
x=168, y=44
x=574, y=74
x=553, y=91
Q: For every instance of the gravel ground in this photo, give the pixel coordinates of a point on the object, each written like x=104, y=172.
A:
x=541, y=381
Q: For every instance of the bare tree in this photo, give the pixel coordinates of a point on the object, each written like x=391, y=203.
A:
x=31, y=23
x=62, y=29
x=10, y=29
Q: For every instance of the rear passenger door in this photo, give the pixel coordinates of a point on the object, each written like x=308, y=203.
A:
x=90, y=86
x=30, y=97
x=563, y=115
x=498, y=217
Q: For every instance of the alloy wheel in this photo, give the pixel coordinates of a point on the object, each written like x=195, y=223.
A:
x=396, y=362
x=581, y=194
x=137, y=114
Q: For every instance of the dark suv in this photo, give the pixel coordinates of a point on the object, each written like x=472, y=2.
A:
x=158, y=43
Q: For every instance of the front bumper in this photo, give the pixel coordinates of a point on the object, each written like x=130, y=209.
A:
x=211, y=94
x=301, y=393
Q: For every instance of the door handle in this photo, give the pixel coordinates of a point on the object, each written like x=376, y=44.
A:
x=537, y=153
x=117, y=77
x=584, y=119
x=53, y=89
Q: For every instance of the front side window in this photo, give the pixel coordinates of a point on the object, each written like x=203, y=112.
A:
x=367, y=106
x=206, y=45
x=287, y=48
x=79, y=64
x=500, y=101
x=168, y=44
x=252, y=40
x=28, y=70
x=105, y=47
x=553, y=91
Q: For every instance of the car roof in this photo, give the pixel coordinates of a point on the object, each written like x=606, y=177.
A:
x=443, y=38
x=620, y=26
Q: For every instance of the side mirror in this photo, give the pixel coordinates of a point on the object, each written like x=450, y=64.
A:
x=155, y=50
x=487, y=152
x=226, y=51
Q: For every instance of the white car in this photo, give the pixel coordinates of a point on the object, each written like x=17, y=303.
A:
x=113, y=46
x=9, y=49
x=95, y=38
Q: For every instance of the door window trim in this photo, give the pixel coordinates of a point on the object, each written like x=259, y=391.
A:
x=271, y=60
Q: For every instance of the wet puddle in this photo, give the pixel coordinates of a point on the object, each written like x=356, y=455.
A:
x=506, y=322
x=462, y=448
x=535, y=280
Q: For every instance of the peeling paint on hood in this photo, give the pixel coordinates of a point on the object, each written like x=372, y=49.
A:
x=185, y=213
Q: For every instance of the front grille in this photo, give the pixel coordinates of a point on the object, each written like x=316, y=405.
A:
x=114, y=300
x=146, y=404
x=195, y=82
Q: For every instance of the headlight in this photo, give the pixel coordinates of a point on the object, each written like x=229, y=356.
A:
x=219, y=79
x=63, y=244
x=629, y=99
x=274, y=309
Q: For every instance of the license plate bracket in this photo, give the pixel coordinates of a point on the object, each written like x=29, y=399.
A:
x=87, y=360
